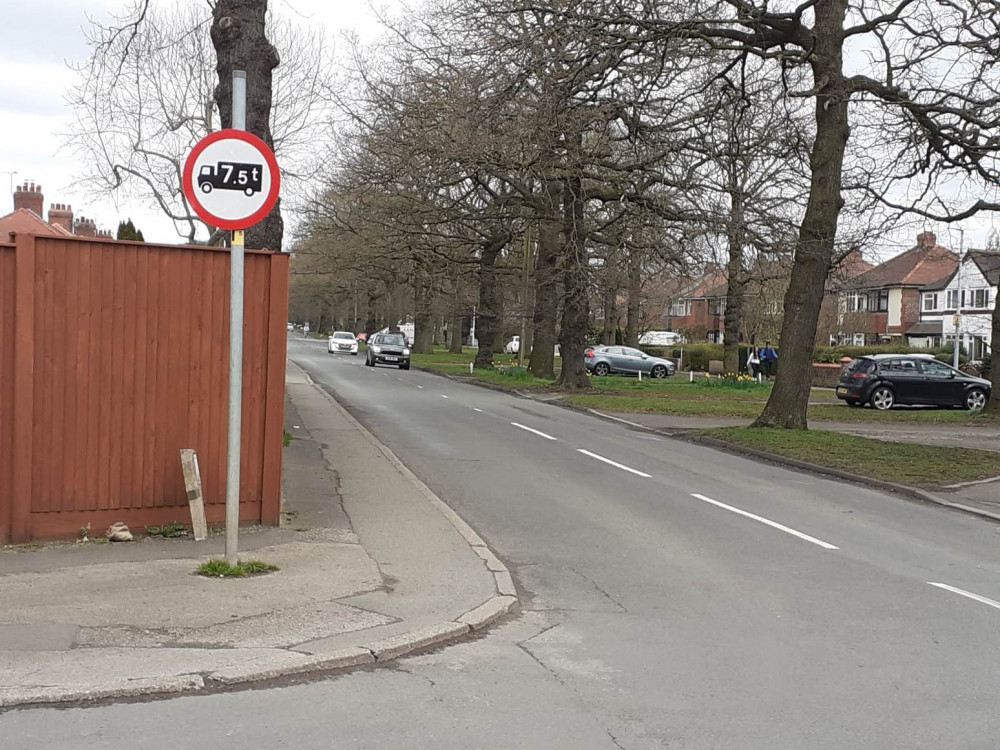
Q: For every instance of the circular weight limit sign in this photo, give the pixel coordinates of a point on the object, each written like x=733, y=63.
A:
x=231, y=179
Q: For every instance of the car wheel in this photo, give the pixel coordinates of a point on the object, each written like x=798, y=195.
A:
x=354, y=354
x=405, y=367
x=601, y=368
x=975, y=399
x=659, y=372
x=883, y=398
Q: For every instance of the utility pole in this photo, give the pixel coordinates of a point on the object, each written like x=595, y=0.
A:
x=958, y=306
x=235, y=351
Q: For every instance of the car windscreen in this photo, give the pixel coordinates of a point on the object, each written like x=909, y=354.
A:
x=390, y=339
x=342, y=335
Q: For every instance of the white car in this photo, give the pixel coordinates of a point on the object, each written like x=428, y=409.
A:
x=513, y=346
x=342, y=342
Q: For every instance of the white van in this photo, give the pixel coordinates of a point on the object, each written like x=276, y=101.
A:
x=660, y=338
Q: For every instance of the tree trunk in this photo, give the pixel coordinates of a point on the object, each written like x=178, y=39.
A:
x=543, y=335
x=489, y=292
x=632, y=315
x=789, y=400
x=423, y=327
x=993, y=405
x=457, y=317
x=576, y=297
x=240, y=40
x=736, y=275
x=610, y=297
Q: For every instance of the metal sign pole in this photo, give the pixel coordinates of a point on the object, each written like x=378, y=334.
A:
x=235, y=351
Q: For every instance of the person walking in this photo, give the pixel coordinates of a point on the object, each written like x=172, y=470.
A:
x=753, y=361
x=768, y=360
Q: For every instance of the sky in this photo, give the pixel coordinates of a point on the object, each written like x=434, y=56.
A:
x=43, y=36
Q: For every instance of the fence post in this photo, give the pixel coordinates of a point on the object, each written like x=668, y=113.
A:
x=24, y=386
x=274, y=409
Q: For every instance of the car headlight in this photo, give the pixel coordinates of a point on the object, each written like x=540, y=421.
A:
x=376, y=349
x=406, y=352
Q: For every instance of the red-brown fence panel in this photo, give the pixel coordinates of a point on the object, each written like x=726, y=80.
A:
x=117, y=359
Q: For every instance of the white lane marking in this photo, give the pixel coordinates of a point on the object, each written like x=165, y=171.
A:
x=646, y=437
x=623, y=467
x=443, y=396
x=536, y=432
x=399, y=379
x=475, y=409
x=773, y=524
x=967, y=594
x=420, y=387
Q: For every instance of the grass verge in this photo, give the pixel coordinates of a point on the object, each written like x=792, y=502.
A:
x=720, y=404
x=903, y=463
x=219, y=568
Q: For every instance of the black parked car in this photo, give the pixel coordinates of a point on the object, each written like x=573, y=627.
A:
x=388, y=349
x=884, y=380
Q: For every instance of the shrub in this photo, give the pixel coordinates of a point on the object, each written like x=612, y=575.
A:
x=168, y=530
x=833, y=354
x=731, y=381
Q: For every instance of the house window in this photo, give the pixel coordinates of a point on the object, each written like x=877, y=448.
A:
x=681, y=308
x=717, y=306
x=951, y=302
x=979, y=298
x=857, y=302
x=930, y=301
x=878, y=301
x=859, y=339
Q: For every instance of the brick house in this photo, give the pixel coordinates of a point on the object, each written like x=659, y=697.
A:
x=28, y=217
x=698, y=311
x=960, y=303
x=882, y=304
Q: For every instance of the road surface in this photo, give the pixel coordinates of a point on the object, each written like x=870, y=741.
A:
x=675, y=597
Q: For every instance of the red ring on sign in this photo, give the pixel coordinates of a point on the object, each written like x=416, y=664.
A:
x=192, y=195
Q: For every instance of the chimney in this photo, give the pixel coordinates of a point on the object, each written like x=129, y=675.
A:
x=29, y=196
x=61, y=214
x=926, y=239
x=85, y=227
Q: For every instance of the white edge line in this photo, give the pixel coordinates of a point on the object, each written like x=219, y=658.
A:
x=536, y=432
x=773, y=524
x=967, y=594
x=623, y=467
x=618, y=419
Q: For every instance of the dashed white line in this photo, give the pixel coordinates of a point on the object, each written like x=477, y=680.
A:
x=475, y=409
x=443, y=396
x=617, y=465
x=536, y=432
x=420, y=387
x=772, y=524
x=967, y=594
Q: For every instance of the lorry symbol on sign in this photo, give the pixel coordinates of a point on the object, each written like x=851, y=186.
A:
x=229, y=175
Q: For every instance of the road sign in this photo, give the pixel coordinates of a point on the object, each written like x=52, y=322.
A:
x=231, y=179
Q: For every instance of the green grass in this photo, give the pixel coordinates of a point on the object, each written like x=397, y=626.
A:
x=168, y=530
x=719, y=403
x=286, y=438
x=219, y=568
x=904, y=463
x=506, y=372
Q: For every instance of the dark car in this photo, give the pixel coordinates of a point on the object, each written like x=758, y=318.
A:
x=604, y=360
x=388, y=349
x=884, y=380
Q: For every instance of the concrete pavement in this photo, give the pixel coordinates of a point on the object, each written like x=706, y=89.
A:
x=372, y=566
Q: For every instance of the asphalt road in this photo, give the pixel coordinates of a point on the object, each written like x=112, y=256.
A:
x=676, y=597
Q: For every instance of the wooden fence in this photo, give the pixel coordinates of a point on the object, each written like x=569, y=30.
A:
x=113, y=356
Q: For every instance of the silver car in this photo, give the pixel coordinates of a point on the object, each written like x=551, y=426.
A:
x=605, y=360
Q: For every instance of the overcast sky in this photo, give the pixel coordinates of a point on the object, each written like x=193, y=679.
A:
x=42, y=36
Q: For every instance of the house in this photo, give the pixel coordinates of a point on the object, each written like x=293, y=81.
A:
x=961, y=303
x=28, y=217
x=698, y=312
x=882, y=304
